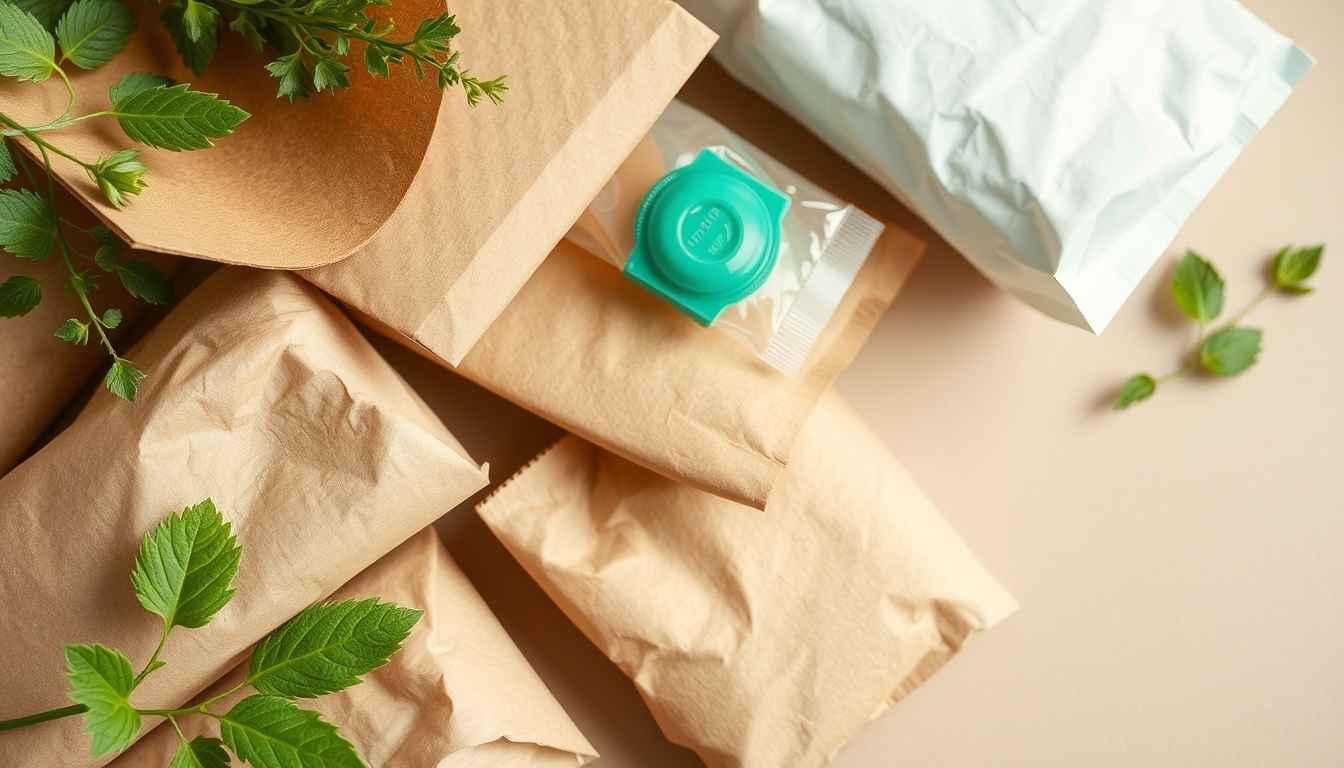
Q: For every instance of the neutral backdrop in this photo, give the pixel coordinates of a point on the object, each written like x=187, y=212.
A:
x=1179, y=565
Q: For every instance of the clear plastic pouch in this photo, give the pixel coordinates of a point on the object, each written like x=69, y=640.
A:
x=739, y=222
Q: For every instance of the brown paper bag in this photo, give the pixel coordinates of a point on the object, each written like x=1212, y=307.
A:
x=587, y=78
x=297, y=185
x=458, y=694
x=267, y=400
x=587, y=349
x=758, y=640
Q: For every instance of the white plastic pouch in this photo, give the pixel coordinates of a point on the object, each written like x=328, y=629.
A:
x=728, y=235
x=1059, y=145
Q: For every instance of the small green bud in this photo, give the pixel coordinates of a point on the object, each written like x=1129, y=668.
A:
x=118, y=175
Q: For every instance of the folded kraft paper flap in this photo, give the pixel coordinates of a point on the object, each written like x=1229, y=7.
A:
x=585, y=348
x=458, y=694
x=759, y=641
x=500, y=186
x=261, y=196
x=265, y=399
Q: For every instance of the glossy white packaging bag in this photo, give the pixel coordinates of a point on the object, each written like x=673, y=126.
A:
x=1059, y=145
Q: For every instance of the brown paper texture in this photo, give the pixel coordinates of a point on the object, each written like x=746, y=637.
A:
x=585, y=348
x=758, y=640
x=459, y=693
x=296, y=185
x=586, y=81
x=263, y=398
x=42, y=373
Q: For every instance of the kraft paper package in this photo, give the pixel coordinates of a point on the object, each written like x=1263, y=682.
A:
x=1058, y=146
x=759, y=640
x=264, y=398
x=585, y=348
x=459, y=693
x=235, y=202
x=500, y=185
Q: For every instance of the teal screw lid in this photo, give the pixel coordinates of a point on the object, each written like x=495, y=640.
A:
x=706, y=236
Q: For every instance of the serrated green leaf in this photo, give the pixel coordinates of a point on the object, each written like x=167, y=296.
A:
x=145, y=281
x=110, y=246
x=329, y=74
x=196, y=54
x=19, y=295
x=93, y=32
x=201, y=752
x=27, y=49
x=295, y=79
x=81, y=282
x=7, y=167
x=271, y=732
x=1197, y=288
x=173, y=117
x=1292, y=267
x=134, y=82
x=185, y=567
x=101, y=679
x=123, y=379
x=440, y=29
x=200, y=19
x=47, y=12
x=326, y=648
x=1231, y=350
x=73, y=331
x=27, y=227
x=374, y=61
x=244, y=25
x=112, y=318
x=1139, y=387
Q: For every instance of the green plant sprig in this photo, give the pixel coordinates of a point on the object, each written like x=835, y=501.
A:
x=1231, y=348
x=184, y=574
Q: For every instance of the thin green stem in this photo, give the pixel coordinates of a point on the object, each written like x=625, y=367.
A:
x=163, y=638
x=1249, y=307
x=42, y=717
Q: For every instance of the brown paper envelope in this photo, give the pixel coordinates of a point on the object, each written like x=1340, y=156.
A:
x=297, y=185
x=267, y=400
x=759, y=641
x=587, y=78
x=41, y=373
x=459, y=693
x=587, y=349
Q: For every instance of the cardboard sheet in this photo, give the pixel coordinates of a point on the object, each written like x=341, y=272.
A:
x=297, y=185
x=587, y=349
x=459, y=693
x=759, y=641
x=500, y=186
x=268, y=401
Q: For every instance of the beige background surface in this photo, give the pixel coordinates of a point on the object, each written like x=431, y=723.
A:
x=1179, y=565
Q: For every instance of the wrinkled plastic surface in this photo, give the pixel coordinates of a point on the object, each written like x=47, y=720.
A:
x=1058, y=145
x=824, y=240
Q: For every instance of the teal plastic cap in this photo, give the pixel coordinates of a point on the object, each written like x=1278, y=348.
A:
x=706, y=236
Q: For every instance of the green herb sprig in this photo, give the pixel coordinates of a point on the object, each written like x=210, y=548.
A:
x=1232, y=348
x=184, y=574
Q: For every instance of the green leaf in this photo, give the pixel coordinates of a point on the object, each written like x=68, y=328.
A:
x=295, y=79
x=244, y=25
x=1197, y=288
x=145, y=281
x=112, y=318
x=326, y=648
x=7, y=167
x=1139, y=387
x=92, y=32
x=271, y=732
x=374, y=61
x=439, y=30
x=134, y=82
x=196, y=54
x=186, y=565
x=45, y=11
x=123, y=379
x=27, y=227
x=200, y=20
x=173, y=117
x=74, y=332
x=329, y=74
x=1292, y=267
x=101, y=679
x=201, y=752
x=19, y=295
x=27, y=49
x=1231, y=350
x=110, y=246
x=81, y=282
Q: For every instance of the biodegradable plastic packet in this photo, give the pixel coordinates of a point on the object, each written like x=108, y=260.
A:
x=728, y=235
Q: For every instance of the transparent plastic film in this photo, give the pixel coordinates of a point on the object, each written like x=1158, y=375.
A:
x=728, y=235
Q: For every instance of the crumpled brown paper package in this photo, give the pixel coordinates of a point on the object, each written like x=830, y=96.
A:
x=296, y=185
x=459, y=693
x=267, y=400
x=500, y=186
x=585, y=348
x=758, y=640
